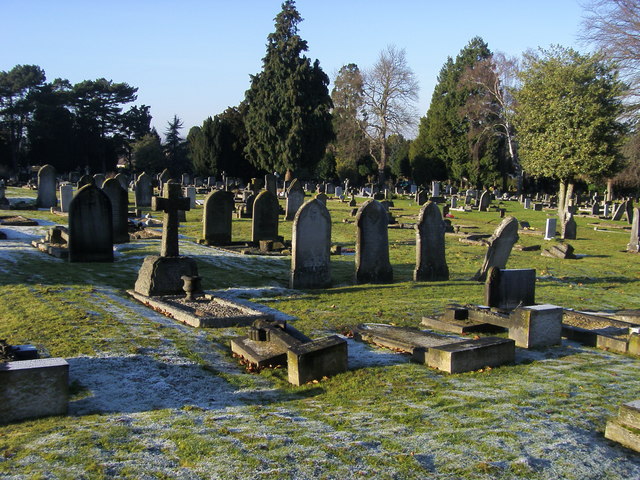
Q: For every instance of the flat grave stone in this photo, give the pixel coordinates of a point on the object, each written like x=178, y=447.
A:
x=600, y=331
x=625, y=428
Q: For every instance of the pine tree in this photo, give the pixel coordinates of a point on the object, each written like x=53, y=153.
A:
x=288, y=121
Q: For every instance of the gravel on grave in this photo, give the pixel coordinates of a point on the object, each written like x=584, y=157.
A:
x=203, y=307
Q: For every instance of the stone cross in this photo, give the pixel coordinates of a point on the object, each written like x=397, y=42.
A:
x=171, y=203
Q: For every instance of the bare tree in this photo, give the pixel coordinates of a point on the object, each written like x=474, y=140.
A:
x=614, y=27
x=490, y=109
x=390, y=91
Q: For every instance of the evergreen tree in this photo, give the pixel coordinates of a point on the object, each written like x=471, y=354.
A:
x=147, y=154
x=288, y=120
x=175, y=148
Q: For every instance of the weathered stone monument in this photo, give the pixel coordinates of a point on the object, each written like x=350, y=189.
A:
x=46, y=187
x=162, y=275
x=485, y=200
x=295, y=199
x=163, y=178
x=372, y=244
x=85, y=180
x=264, y=224
x=217, y=218
x=311, y=247
x=143, y=190
x=569, y=227
x=322, y=197
x=90, y=226
x=550, y=228
x=271, y=183
x=625, y=428
x=66, y=195
x=500, y=245
x=431, y=263
x=190, y=193
x=634, y=241
x=119, y=209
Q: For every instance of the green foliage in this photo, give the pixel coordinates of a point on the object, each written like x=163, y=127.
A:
x=326, y=168
x=147, y=154
x=288, y=118
x=567, y=115
x=175, y=147
x=398, y=148
x=443, y=135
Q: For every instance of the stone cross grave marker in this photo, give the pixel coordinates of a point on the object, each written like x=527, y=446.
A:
x=90, y=226
x=431, y=263
x=119, y=209
x=500, y=245
x=372, y=244
x=217, y=218
x=171, y=203
x=47, y=187
x=311, y=247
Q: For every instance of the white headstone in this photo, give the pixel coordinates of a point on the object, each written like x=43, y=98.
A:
x=66, y=195
x=550, y=229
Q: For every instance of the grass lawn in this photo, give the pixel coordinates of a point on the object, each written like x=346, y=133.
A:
x=155, y=399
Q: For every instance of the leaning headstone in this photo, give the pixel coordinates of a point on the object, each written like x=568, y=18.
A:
x=162, y=275
x=619, y=211
x=271, y=183
x=485, y=199
x=569, y=227
x=431, y=262
x=372, y=244
x=90, y=226
x=217, y=218
x=634, y=241
x=550, y=228
x=264, y=224
x=99, y=179
x=143, y=190
x=47, y=187
x=500, y=245
x=119, y=209
x=311, y=247
x=295, y=199
x=66, y=195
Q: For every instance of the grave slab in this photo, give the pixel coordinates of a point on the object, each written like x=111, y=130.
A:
x=471, y=354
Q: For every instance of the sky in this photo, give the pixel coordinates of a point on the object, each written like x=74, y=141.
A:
x=193, y=58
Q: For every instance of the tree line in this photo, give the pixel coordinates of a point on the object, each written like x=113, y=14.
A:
x=553, y=115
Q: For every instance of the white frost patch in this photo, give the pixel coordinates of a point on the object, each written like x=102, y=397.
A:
x=26, y=234
x=139, y=383
x=363, y=355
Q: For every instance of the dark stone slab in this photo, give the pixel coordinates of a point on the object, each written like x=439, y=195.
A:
x=471, y=354
x=317, y=359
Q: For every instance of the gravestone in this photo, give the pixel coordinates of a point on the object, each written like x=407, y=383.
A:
x=162, y=275
x=123, y=180
x=431, y=262
x=485, y=199
x=47, y=187
x=619, y=210
x=550, y=228
x=500, y=245
x=606, y=210
x=372, y=244
x=421, y=197
x=264, y=225
x=322, y=197
x=338, y=191
x=4, y=201
x=527, y=203
x=186, y=180
x=164, y=178
x=625, y=428
x=271, y=183
x=595, y=209
x=569, y=227
x=85, y=180
x=634, y=241
x=295, y=199
x=217, y=218
x=119, y=209
x=66, y=195
x=99, y=179
x=508, y=289
x=143, y=190
x=435, y=189
x=90, y=226
x=628, y=210
x=454, y=202
x=190, y=193
x=311, y=247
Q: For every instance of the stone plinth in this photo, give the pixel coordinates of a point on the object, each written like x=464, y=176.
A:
x=314, y=360
x=472, y=355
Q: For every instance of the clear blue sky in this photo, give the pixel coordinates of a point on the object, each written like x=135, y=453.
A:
x=193, y=58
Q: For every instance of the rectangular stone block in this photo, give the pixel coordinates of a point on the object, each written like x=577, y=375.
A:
x=316, y=359
x=536, y=326
x=471, y=355
x=622, y=434
x=260, y=354
x=613, y=344
x=629, y=414
x=33, y=388
x=634, y=344
x=511, y=288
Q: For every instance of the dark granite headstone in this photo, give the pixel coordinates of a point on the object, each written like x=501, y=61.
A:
x=431, y=263
x=311, y=245
x=217, y=218
x=372, y=244
x=90, y=226
x=47, y=187
x=119, y=208
x=265, y=217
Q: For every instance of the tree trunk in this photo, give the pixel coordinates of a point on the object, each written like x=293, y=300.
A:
x=568, y=201
x=562, y=190
x=382, y=163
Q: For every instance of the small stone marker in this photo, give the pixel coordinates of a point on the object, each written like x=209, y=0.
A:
x=372, y=244
x=500, y=245
x=550, y=228
x=625, y=429
x=527, y=203
x=295, y=199
x=508, y=289
x=162, y=275
x=143, y=190
x=66, y=195
x=634, y=241
x=47, y=187
x=569, y=227
x=431, y=262
x=90, y=226
x=217, y=218
x=311, y=247
x=265, y=217
x=119, y=199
